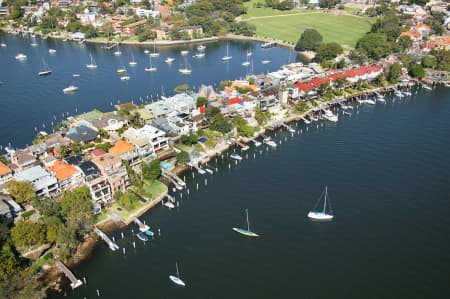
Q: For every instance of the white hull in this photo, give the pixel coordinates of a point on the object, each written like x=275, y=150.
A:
x=125, y=78
x=21, y=57
x=52, y=51
x=226, y=58
x=236, y=157
x=154, y=55
x=265, y=61
x=320, y=216
x=185, y=71
x=146, y=51
x=70, y=89
x=150, y=69
x=246, y=63
x=177, y=281
x=117, y=53
x=184, y=52
x=169, y=60
x=91, y=66
x=132, y=63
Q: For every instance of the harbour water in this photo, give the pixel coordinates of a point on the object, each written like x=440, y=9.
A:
x=33, y=102
x=386, y=168
x=387, y=173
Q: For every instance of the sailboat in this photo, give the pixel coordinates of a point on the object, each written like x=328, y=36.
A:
x=151, y=68
x=265, y=61
x=126, y=77
x=3, y=45
x=169, y=60
x=132, y=62
x=226, y=57
x=246, y=63
x=118, y=53
x=46, y=70
x=51, y=51
x=246, y=232
x=322, y=215
x=70, y=89
x=186, y=70
x=184, y=52
x=249, y=53
x=176, y=279
x=91, y=65
x=199, y=55
x=201, y=48
x=154, y=53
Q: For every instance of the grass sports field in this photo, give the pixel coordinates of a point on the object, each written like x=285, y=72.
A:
x=289, y=25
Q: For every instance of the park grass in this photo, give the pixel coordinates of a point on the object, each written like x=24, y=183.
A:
x=265, y=11
x=342, y=29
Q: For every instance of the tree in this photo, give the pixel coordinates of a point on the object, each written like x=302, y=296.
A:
x=52, y=232
x=23, y=192
x=210, y=112
x=152, y=170
x=429, y=62
x=189, y=139
x=309, y=40
x=202, y=101
x=405, y=42
x=395, y=72
x=22, y=284
x=183, y=157
x=443, y=59
x=26, y=233
x=416, y=70
x=328, y=51
x=221, y=124
x=375, y=45
x=77, y=210
x=89, y=31
x=181, y=88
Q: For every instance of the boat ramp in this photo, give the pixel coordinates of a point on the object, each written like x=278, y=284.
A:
x=74, y=282
x=113, y=246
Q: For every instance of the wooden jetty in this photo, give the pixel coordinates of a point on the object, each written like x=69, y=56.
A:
x=142, y=227
x=178, y=182
x=74, y=282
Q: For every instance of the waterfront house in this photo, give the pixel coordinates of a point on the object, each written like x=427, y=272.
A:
x=55, y=142
x=97, y=183
x=129, y=29
x=141, y=12
x=162, y=32
x=82, y=134
x=22, y=159
x=43, y=182
x=8, y=207
x=193, y=31
x=181, y=125
x=111, y=167
x=5, y=173
x=145, y=116
x=156, y=137
x=110, y=123
x=69, y=177
x=207, y=92
x=78, y=36
x=126, y=151
x=160, y=109
x=181, y=103
x=139, y=140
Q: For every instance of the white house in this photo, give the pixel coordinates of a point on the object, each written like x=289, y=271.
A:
x=78, y=36
x=182, y=103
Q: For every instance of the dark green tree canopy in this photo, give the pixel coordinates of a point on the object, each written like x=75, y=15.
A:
x=309, y=40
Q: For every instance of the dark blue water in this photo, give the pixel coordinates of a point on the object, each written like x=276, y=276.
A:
x=387, y=171
x=31, y=101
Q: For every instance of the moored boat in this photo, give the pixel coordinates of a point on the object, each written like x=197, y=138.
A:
x=322, y=215
x=176, y=278
x=246, y=232
x=71, y=88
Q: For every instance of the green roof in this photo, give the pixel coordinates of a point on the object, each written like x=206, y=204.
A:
x=92, y=115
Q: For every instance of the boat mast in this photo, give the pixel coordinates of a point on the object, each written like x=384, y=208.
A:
x=248, y=223
x=176, y=265
x=325, y=201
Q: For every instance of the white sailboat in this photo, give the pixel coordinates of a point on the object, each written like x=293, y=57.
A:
x=132, y=62
x=249, y=53
x=92, y=64
x=51, y=51
x=21, y=56
x=118, y=52
x=176, y=279
x=151, y=68
x=246, y=63
x=46, y=71
x=226, y=57
x=186, y=70
x=265, y=61
x=322, y=215
x=184, y=52
x=246, y=232
x=71, y=88
x=201, y=48
x=3, y=45
x=146, y=51
x=154, y=53
x=169, y=60
x=199, y=55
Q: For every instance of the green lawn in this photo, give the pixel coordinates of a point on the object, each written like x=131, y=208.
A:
x=343, y=29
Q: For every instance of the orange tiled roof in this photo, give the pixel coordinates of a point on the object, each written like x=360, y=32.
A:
x=423, y=26
x=4, y=169
x=163, y=9
x=249, y=86
x=121, y=147
x=63, y=171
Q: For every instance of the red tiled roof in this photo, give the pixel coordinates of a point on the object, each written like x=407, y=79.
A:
x=98, y=152
x=4, y=169
x=201, y=109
